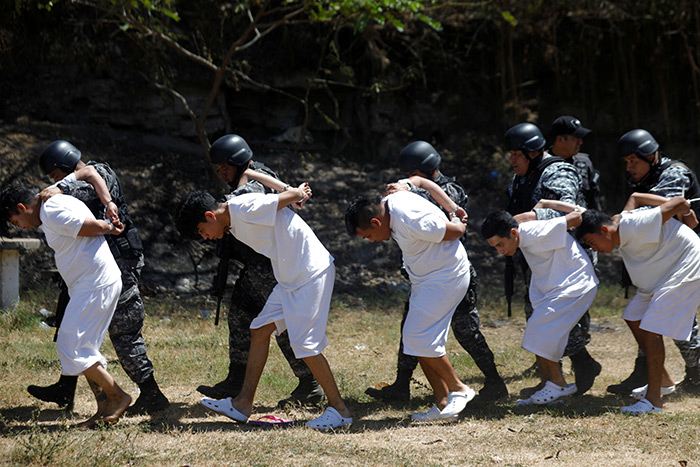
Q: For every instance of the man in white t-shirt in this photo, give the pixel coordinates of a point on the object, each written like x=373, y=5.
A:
x=562, y=288
x=662, y=256
x=438, y=267
x=299, y=302
x=94, y=282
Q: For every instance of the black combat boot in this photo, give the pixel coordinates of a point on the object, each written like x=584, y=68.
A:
x=691, y=383
x=493, y=390
x=308, y=391
x=62, y=392
x=585, y=370
x=230, y=387
x=151, y=399
x=494, y=387
x=398, y=391
x=637, y=379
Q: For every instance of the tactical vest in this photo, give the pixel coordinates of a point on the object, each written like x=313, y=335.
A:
x=693, y=191
x=520, y=198
x=590, y=180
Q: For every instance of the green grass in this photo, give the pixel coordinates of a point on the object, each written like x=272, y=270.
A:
x=363, y=338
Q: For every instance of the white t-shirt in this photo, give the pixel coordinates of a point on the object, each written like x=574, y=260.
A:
x=418, y=227
x=297, y=255
x=560, y=266
x=83, y=262
x=658, y=254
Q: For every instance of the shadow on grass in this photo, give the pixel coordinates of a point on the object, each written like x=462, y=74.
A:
x=185, y=417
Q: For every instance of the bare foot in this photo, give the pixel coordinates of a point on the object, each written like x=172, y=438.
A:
x=247, y=407
x=89, y=423
x=115, y=408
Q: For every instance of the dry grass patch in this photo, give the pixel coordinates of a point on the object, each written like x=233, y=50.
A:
x=188, y=351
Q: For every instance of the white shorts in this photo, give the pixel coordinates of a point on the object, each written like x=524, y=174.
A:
x=669, y=311
x=303, y=312
x=547, y=330
x=430, y=311
x=84, y=326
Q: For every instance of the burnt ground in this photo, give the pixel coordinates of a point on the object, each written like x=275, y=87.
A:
x=156, y=170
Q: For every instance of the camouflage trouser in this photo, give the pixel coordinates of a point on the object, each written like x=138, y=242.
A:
x=246, y=304
x=465, y=326
x=127, y=324
x=690, y=349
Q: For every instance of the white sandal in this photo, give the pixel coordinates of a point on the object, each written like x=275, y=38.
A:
x=456, y=402
x=552, y=392
x=642, y=407
x=224, y=407
x=329, y=420
x=641, y=392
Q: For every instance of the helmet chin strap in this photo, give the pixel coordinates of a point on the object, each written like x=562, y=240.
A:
x=534, y=161
x=653, y=163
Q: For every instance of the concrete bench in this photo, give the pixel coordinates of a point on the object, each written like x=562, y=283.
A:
x=10, y=249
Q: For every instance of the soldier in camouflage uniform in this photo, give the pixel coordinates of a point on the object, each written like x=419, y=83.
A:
x=61, y=161
x=568, y=133
x=651, y=172
x=539, y=175
x=421, y=159
x=232, y=156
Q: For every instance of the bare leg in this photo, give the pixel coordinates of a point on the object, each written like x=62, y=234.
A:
x=652, y=345
x=257, y=357
x=441, y=375
x=439, y=386
x=112, y=401
x=550, y=371
x=322, y=372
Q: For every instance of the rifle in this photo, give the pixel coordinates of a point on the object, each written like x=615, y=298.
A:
x=63, y=299
x=223, y=252
x=509, y=277
x=625, y=280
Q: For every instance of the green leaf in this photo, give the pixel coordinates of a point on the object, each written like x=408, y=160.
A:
x=508, y=16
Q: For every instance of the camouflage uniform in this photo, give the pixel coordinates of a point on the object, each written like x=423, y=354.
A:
x=668, y=179
x=465, y=321
x=127, y=323
x=590, y=180
x=254, y=284
x=557, y=181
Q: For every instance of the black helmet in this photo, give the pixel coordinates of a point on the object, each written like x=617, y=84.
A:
x=639, y=142
x=59, y=155
x=524, y=137
x=419, y=155
x=231, y=149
